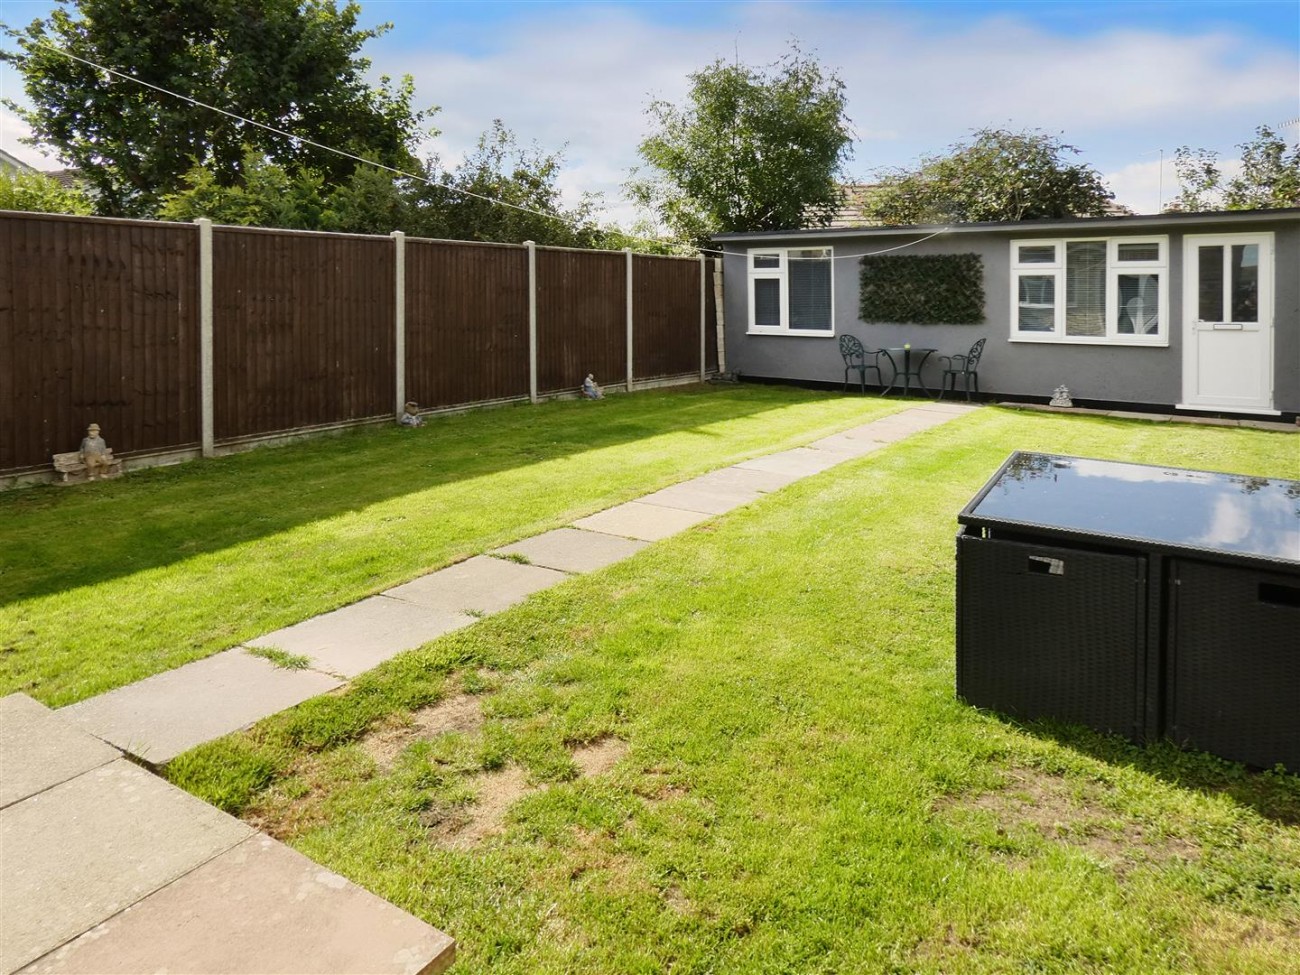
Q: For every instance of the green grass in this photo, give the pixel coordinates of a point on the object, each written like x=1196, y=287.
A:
x=282, y=658
x=106, y=584
x=801, y=790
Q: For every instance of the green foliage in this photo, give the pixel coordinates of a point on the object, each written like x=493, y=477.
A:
x=38, y=193
x=457, y=204
x=282, y=658
x=922, y=288
x=997, y=175
x=752, y=149
x=291, y=64
x=1269, y=177
x=266, y=195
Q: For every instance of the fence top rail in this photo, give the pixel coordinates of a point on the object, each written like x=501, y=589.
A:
x=234, y=228
x=693, y=258
x=464, y=243
x=78, y=218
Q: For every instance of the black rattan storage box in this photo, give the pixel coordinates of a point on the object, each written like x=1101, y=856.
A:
x=1138, y=600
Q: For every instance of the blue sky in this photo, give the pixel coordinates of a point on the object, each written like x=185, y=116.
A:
x=1122, y=81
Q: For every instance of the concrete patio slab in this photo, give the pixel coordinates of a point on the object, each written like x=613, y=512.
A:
x=78, y=853
x=352, y=640
x=39, y=750
x=694, y=496
x=162, y=716
x=799, y=462
x=647, y=522
x=259, y=907
x=765, y=482
x=481, y=585
x=951, y=407
x=574, y=550
x=847, y=445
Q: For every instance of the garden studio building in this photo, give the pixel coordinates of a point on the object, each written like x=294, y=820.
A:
x=1198, y=312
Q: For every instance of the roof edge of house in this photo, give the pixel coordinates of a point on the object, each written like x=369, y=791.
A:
x=1025, y=226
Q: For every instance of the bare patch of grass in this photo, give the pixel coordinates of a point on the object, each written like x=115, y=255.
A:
x=461, y=713
x=600, y=756
x=1072, y=812
x=495, y=792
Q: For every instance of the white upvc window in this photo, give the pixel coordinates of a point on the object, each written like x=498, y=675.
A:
x=1099, y=291
x=791, y=291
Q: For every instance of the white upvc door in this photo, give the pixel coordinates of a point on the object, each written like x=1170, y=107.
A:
x=1228, y=323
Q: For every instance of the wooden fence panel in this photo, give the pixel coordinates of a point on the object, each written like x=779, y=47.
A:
x=581, y=318
x=98, y=323
x=303, y=330
x=466, y=322
x=665, y=316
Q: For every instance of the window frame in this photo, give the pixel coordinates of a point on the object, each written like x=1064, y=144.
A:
x=781, y=273
x=1115, y=268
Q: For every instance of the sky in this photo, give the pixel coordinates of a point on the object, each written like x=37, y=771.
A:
x=1127, y=83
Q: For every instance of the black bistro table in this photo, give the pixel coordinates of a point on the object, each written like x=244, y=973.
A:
x=913, y=359
x=1147, y=601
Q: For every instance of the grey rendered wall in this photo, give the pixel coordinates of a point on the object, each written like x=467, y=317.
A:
x=1121, y=374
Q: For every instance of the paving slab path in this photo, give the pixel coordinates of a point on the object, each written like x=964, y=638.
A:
x=105, y=867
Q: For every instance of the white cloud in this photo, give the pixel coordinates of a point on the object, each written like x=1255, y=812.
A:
x=584, y=77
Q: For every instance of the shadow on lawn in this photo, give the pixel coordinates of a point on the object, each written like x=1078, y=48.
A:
x=55, y=539
x=1274, y=795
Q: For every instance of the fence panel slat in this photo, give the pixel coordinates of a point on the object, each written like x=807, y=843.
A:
x=581, y=318
x=96, y=316
x=466, y=322
x=666, y=316
x=302, y=330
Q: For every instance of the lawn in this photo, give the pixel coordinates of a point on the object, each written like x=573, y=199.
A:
x=740, y=751
x=109, y=583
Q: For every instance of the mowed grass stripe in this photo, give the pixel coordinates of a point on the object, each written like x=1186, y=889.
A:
x=801, y=790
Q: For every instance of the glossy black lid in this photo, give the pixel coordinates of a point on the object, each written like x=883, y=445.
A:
x=1202, y=510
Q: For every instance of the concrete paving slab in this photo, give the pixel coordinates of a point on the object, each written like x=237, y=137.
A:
x=954, y=408
x=39, y=749
x=800, y=462
x=352, y=640
x=158, y=718
x=848, y=446
x=574, y=550
x=78, y=853
x=259, y=907
x=648, y=522
x=481, y=585
x=693, y=496
x=764, y=482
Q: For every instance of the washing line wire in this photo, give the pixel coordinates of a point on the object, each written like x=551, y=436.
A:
x=392, y=169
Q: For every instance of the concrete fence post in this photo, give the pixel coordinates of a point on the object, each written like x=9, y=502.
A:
x=704, y=358
x=628, y=252
x=532, y=320
x=207, y=435
x=399, y=319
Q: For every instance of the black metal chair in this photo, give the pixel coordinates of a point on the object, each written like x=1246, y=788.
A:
x=855, y=356
x=966, y=366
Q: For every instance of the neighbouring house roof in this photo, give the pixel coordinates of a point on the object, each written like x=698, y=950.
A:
x=1151, y=223
x=69, y=179
x=12, y=164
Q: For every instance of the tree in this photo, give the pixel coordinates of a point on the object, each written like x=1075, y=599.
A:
x=290, y=64
x=459, y=204
x=752, y=149
x=267, y=195
x=38, y=193
x=1269, y=177
x=997, y=175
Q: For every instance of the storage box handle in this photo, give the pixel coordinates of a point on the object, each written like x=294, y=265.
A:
x=1278, y=595
x=1042, y=565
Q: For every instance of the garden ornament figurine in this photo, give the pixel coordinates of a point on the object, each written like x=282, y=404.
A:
x=95, y=454
x=1062, y=397
x=590, y=389
x=411, y=415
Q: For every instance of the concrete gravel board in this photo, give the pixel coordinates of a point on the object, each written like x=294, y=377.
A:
x=692, y=496
x=158, y=718
x=648, y=522
x=259, y=907
x=574, y=550
x=78, y=853
x=482, y=584
x=356, y=638
x=801, y=462
x=39, y=749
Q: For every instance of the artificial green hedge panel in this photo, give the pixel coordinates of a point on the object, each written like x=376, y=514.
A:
x=927, y=289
